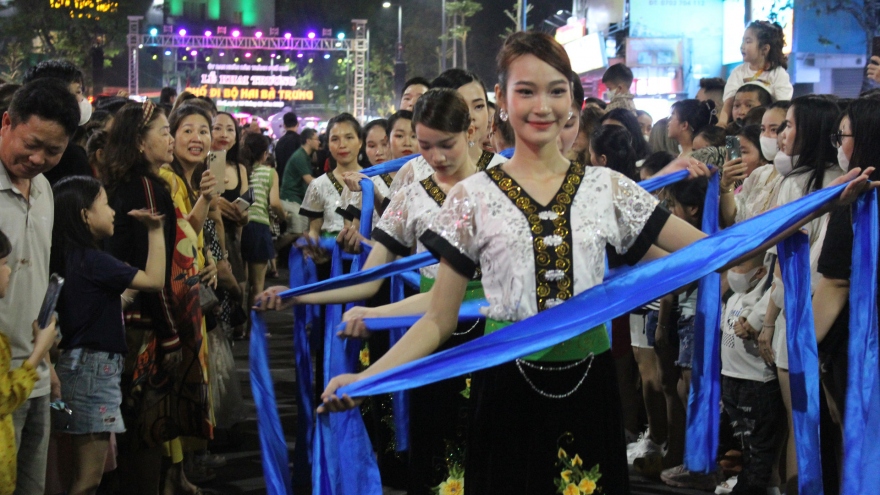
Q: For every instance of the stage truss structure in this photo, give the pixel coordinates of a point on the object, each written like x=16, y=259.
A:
x=356, y=48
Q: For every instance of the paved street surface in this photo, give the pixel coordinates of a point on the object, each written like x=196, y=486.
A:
x=243, y=474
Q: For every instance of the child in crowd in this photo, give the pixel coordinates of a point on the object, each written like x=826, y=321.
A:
x=93, y=345
x=684, y=200
x=749, y=389
x=763, y=64
x=747, y=97
x=15, y=385
x=618, y=79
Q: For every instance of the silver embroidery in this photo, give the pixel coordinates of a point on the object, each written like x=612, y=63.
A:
x=548, y=215
x=553, y=275
x=552, y=240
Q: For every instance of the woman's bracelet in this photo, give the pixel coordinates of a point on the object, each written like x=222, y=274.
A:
x=726, y=191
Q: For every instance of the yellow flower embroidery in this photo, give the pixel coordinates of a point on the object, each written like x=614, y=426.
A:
x=577, y=461
x=452, y=486
x=587, y=486
x=364, y=356
x=467, y=382
x=561, y=454
x=571, y=489
x=566, y=475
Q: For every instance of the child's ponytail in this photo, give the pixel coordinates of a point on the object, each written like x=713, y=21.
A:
x=770, y=33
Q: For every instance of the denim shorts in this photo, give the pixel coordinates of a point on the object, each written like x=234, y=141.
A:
x=686, y=341
x=90, y=388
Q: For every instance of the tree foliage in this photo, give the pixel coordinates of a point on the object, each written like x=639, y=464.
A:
x=459, y=12
x=514, y=16
x=45, y=29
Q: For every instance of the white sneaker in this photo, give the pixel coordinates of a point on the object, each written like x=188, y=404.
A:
x=644, y=447
x=632, y=442
x=726, y=486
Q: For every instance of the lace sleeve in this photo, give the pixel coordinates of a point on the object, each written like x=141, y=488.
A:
x=634, y=210
x=313, y=202
x=403, y=178
x=452, y=235
x=393, y=229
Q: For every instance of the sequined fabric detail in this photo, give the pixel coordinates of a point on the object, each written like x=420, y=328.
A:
x=387, y=178
x=551, y=238
x=634, y=207
x=336, y=184
x=433, y=190
x=484, y=160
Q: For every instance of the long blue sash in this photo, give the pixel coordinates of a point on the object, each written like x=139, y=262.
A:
x=803, y=360
x=705, y=393
x=861, y=461
x=470, y=311
x=272, y=444
x=338, y=464
x=597, y=304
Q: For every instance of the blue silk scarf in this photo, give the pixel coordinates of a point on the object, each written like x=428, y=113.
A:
x=861, y=461
x=803, y=360
x=705, y=394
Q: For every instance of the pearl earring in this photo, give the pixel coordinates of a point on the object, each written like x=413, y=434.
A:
x=470, y=144
x=570, y=113
x=502, y=114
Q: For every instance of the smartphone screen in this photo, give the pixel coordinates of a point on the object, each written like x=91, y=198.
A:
x=217, y=166
x=50, y=300
x=875, y=47
x=733, y=148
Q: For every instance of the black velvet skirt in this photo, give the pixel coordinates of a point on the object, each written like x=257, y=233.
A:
x=516, y=433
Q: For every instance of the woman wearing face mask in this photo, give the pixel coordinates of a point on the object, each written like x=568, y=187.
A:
x=471, y=88
x=437, y=425
x=770, y=122
x=857, y=146
x=758, y=178
x=809, y=122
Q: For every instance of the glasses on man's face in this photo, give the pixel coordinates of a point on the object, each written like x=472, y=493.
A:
x=837, y=138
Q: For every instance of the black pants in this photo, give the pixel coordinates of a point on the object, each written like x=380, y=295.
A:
x=756, y=412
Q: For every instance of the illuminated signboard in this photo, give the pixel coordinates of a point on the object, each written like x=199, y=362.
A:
x=85, y=8
x=571, y=32
x=586, y=53
x=235, y=85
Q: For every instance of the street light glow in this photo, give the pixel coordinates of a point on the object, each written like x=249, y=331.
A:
x=386, y=5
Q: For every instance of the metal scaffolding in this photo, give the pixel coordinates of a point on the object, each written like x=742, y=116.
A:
x=357, y=48
x=361, y=45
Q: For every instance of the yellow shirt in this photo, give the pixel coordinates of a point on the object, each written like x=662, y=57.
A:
x=181, y=201
x=15, y=387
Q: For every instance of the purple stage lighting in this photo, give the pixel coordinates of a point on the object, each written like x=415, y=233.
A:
x=208, y=34
x=287, y=36
x=193, y=53
x=258, y=34
x=182, y=32
x=311, y=35
x=236, y=33
x=247, y=55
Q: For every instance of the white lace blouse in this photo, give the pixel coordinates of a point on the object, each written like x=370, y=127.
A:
x=407, y=217
x=321, y=201
x=534, y=257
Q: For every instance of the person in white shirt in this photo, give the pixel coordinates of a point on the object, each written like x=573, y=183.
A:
x=749, y=388
x=764, y=64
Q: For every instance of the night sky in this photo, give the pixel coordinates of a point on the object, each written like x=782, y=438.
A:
x=484, y=41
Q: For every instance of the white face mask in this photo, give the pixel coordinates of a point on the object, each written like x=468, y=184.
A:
x=85, y=111
x=647, y=138
x=611, y=94
x=769, y=147
x=783, y=163
x=741, y=282
x=842, y=160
